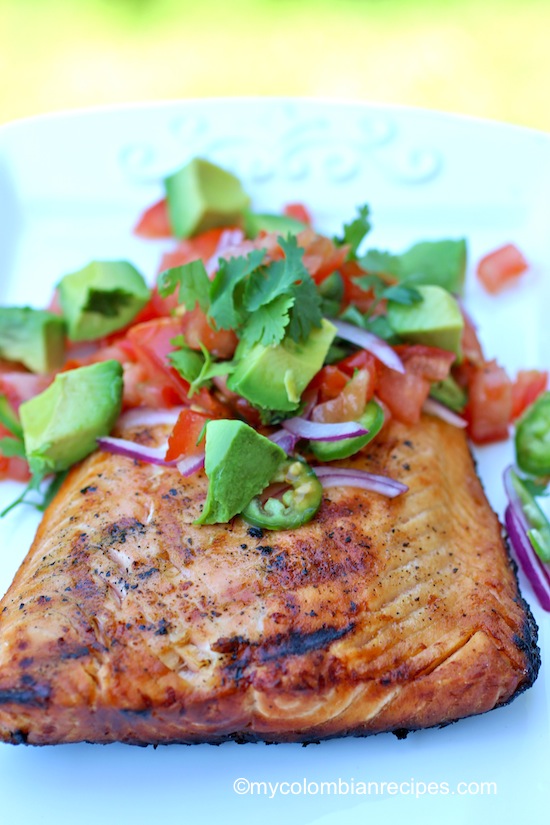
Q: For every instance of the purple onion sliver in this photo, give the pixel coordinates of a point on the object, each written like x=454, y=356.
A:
x=528, y=559
x=350, y=472
x=191, y=464
x=317, y=431
x=375, y=484
x=372, y=343
x=147, y=417
x=310, y=405
x=433, y=407
x=149, y=455
x=284, y=439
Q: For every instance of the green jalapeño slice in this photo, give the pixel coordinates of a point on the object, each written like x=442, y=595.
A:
x=372, y=420
x=533, y=438
x=295, y=507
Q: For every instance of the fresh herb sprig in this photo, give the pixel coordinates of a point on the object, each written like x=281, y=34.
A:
x=261, y=302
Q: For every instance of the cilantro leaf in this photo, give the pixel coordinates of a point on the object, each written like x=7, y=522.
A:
x=186, y=361
x=227, y=289
x=306, y=312
x=378, y=262
x=210, y=369
x=35, y=485
x=331, y=291
x=402, y=294
x=192, y=282
x=268, y=326
x=9, y=419
x=194, y=367
x=10, y=447
x=355, y=231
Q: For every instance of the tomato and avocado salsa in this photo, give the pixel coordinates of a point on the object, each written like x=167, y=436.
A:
x=274, y=348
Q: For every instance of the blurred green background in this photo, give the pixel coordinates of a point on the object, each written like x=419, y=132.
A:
x=489, y=58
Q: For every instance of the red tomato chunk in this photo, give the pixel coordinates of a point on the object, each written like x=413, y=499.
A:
x=501, y=267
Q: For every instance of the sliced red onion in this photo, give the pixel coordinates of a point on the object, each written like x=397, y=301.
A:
x=191, y=464
x=311, y=402
x=434, y=407
x=316, y=431
x=346, y=477
x=372, y=343
x=285, y=440
x=121, y=446
x=147, y=417
x=531, y=565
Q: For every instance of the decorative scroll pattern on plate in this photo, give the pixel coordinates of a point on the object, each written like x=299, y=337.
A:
x=286, y=144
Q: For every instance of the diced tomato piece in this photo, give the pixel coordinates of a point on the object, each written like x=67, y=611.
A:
x=155, y=222
x=164, y=307
x=321, y=256
x=329, y=383
x=151, y=342
x=489, y=404
x=471, y=346
x=353, y=293
x=430, y=363
x=298, y=211
x=527, y=387
x=196, y=329
x=349, y=405
x=362, y=360
x=19, y=386
x=501, y=267
x=404, y=395
x=183, y=438
x=202, y=246
x=14, y=468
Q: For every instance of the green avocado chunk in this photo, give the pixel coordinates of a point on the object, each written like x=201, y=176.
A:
x=101, y=298
x=449, y=393
x=33, y=337
x=239, y=463
x=201, y=196
x=275, y=377
x=255, y=222
x=61, y=425
x=441, y=263
x=436, y=321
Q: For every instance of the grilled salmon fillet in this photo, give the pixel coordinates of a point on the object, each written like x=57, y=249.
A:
x=127, y=622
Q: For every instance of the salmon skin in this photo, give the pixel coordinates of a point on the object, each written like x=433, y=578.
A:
x=128, y=622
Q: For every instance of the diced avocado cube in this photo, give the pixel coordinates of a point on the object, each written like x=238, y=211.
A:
x=201, y=196
x=255, y=222
x=61, y=425
x=239, y=463
x=436, y=320
x=33, y=337
x=101, y=298
x=441, y=263
x=275, y=377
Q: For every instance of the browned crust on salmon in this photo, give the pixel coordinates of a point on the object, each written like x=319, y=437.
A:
x=127, y=622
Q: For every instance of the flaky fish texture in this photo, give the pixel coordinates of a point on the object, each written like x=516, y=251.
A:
x=128, y=622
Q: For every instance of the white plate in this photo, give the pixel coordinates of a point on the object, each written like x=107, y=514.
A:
x=71, y=187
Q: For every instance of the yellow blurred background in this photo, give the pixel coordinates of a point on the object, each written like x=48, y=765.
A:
x=489, y=58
